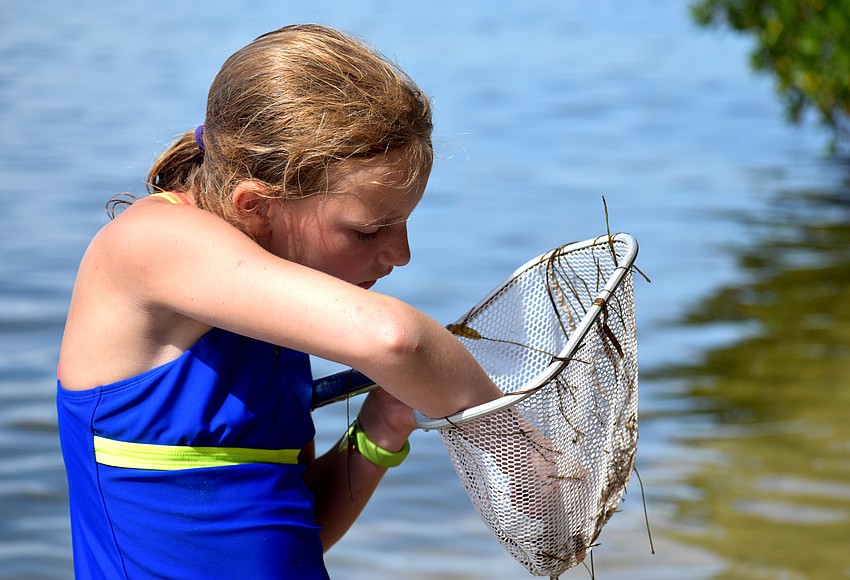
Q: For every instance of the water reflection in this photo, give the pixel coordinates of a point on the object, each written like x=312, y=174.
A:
x=773, y=497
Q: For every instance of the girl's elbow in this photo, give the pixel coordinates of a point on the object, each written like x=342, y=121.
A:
x=399, y=336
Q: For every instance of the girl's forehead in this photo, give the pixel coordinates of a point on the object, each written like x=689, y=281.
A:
x=391, y=170
x=380, y=204
x=374, y=195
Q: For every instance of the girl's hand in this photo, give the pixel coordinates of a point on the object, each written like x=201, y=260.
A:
x=386, y=421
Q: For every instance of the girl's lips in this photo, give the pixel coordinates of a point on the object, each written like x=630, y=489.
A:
x=369, y=283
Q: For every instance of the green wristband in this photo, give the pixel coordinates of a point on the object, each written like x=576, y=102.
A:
x=368, y=449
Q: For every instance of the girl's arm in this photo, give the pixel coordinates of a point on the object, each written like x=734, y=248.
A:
x=157, y=261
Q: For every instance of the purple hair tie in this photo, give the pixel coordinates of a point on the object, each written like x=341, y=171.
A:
x=199, y=137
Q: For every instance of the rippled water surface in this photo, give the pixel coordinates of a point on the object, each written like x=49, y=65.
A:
x=541, y=109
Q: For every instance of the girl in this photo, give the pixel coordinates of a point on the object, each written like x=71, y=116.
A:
x=185, y=384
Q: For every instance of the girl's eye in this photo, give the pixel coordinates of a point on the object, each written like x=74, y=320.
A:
x=366, y=236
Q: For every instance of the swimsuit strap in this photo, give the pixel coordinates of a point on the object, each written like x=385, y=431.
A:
x=173, y=197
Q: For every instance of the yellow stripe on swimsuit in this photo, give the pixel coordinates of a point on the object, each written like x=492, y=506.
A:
x=174, y=457
x=172, y=197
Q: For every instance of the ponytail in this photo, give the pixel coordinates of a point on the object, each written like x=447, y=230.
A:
x=178, y=167
x=175, y=170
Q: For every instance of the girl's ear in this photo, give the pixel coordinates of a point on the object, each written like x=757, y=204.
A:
x=251, y=204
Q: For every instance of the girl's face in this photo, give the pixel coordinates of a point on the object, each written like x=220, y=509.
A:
x=357, y=233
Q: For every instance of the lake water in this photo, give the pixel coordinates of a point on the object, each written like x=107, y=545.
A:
x=541, y=109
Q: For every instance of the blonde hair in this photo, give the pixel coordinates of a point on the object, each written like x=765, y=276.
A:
x=287, y=110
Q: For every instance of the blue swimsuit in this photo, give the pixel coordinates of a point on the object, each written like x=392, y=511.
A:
x=189, y=470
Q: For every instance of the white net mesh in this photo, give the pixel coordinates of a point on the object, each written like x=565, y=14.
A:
x=546, y=474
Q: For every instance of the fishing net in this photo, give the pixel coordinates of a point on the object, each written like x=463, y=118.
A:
x=546, y=465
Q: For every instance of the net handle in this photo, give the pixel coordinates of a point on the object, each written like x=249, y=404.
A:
x=624, y=264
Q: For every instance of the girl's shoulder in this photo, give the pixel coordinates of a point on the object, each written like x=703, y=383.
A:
x=125, y=315
x=156, y=220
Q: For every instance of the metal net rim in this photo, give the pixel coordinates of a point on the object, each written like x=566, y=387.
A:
x=624, y=265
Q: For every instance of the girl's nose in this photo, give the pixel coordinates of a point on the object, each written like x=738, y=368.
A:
x=396, y=252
